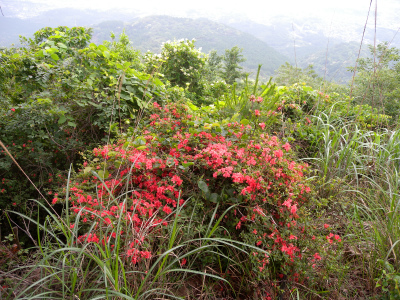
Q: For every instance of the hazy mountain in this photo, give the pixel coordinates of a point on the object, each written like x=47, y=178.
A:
x=150, y=32
x=329, y=39
x=313, y=41
x=13, y=26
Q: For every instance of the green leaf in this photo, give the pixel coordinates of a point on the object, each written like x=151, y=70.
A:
x=103, y=174
x=54, y=56
x=117, y=164
x=244, y=122
x=106, y=54
x=157, y=82
x=72, y=124
x=62, y=120
x=203, y=186
x=214, y=198
x=187, y=164
x=102, y=48
x=139, y=141
x=41, y=53
x=61, y=45
x=87, y=170
x=125, y=96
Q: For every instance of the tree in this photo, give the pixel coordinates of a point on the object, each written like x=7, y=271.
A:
x=378, y=80
x=76, y=37
x=214, y=66
x=232, y=58
x=289, y=75
x=183, y=64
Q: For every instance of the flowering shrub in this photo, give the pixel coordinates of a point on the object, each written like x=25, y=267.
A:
x=181, y=63
x=177, y=157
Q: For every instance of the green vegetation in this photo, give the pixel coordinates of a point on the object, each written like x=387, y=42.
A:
x=377, y=81
x=146, y=176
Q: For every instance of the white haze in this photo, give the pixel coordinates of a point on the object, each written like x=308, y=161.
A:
x=335, y=12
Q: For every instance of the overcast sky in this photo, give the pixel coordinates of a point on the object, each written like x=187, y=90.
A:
x=260, y=11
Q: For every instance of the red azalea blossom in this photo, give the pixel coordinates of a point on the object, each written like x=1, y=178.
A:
x=317, y=256
x=261, y=171
x=183, y=262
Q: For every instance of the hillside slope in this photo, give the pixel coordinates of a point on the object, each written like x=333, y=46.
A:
x=149, y=33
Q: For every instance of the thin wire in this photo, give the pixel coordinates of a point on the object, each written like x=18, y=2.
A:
x=359, y=52
x=10, y=155
x=13, y=159
x=327, y=48
x=373, y=82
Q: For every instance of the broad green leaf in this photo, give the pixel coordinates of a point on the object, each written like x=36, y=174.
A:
x=203, y=186
x=87, y=170
x=307, y=88
x=41, y=53
x=102, y=48
x=52, y=50
x=54, y=56
x=62, y=120
x=139, y=141
x=44, y=101
x=187, y=164
x=125, y=96
x=157, y=82
x=214, y=197
x=103, y=174
x=106, y=54
x=117, y=163
x=72, y=124
x=61, y=45
x=244, y=122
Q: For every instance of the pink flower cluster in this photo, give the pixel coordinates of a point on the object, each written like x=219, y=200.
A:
x=144, y=186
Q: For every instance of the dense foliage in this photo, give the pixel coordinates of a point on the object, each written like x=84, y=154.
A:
x=166, y=176
x=377, y=81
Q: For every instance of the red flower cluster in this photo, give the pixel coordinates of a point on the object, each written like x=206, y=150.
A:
x=143, y=185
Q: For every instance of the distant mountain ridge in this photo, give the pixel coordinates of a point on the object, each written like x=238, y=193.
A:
x=310, y=43
x=149, y=33
x=13, y=26
x=270, y=44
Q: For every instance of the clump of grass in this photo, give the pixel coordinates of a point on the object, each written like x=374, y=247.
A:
x=69, y=268
x=363, y=167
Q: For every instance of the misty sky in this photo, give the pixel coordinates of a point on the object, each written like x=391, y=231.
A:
x=332, y=11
